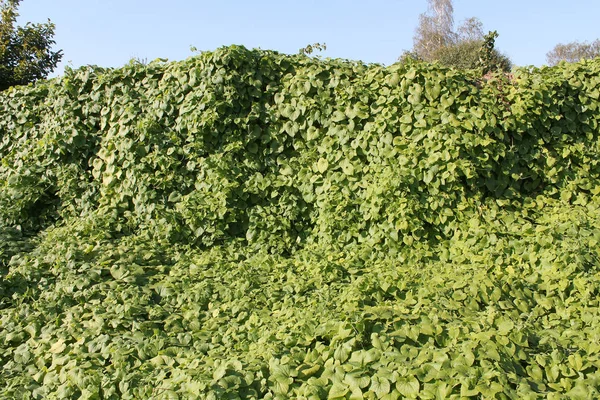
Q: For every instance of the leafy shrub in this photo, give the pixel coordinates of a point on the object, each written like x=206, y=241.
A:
x=467, y=55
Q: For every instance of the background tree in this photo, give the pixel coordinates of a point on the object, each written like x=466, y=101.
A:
x=573, y=52
x=435, y=29
x=470, y=30
x=489, y=58
x=436, y=40
x=25, y=52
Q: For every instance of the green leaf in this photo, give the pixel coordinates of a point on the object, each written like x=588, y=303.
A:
x=380, y=386
x=393, y=79
x=408, y=386
x=347, y=167
x=338, y=391
x=58, y=347
x=322, y=165
x=414, y=99
x=505, y=326
x=338, y=116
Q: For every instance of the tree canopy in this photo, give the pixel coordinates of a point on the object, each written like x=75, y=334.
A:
x=573, y=52
x=436, y=39
x=25, y=51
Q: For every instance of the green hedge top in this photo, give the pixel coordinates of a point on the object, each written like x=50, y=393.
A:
x=277, y=150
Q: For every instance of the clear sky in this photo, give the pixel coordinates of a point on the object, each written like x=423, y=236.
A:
x=110, y=32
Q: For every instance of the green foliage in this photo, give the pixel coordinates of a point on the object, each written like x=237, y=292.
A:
x=463, y=55
x=468, y=55
x=25, y=52
x=409, y=57
x=313, y=47
x=464, y=48
x=246, y=225
x=490, y=60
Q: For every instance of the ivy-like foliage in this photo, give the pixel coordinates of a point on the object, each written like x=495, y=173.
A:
x=247, y=225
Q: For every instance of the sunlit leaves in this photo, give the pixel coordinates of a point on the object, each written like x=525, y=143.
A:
x=245, y=224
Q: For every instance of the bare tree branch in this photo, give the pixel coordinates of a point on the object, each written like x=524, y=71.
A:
x=573, y=52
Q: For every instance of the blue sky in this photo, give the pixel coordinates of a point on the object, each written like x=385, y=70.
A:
x=109, y=32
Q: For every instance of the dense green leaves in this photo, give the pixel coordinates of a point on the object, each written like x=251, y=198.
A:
x=25, y=51
x=245, y=224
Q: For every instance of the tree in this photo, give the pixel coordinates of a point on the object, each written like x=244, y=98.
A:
x=435, y=30
x=489, y=58
x=436, y=40
x=25, y=52
x=470, y=30
x=573, y=52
